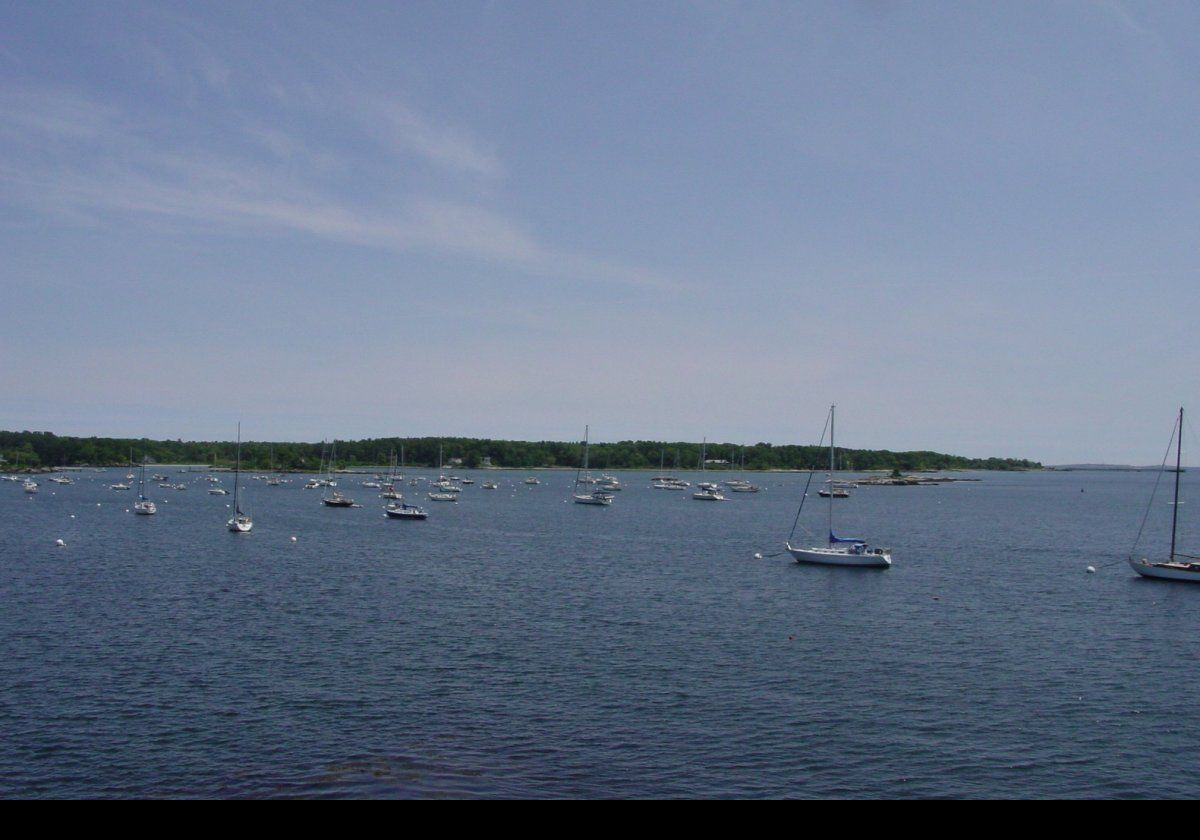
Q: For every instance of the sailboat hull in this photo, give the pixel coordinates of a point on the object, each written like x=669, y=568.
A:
x=240, y=524
x=835, y=556
x=1167, y=571
x=405, y=512
x=600, y=501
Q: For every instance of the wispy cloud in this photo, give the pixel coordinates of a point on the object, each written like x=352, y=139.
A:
x=439, y=144
x=274, y=180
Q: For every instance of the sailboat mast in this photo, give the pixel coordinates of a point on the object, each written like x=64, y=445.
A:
x=1178, y=466
x=237, y=471
x=584, y=463
x=832, y=412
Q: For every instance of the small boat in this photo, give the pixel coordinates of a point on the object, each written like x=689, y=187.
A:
x=217, y=491
x=61, y=479
x=490, y=485
x=706, y=491
x=532, y=480
x=388, y=488
x=143, y=506
x=399, y=510
x=29, y=485
x=833, y=493
x=1187, y=568
x=665, y=480
x=119, y=486
x=240, y=523
x=443, y=497
x=334, y=498
x=598, y=497
x=838, y=551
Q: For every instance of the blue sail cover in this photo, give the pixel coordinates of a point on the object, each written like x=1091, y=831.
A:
x=834, y=538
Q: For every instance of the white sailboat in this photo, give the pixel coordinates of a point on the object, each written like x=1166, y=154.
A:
x=582, y=476
x=334, y=498
x=668, y=481
x=742, y=485
x=403, y=510
x=143, y=506
x=389, y=490
x=241, y=523
x=706, y=491
x=1188, y=567
x=838, y=551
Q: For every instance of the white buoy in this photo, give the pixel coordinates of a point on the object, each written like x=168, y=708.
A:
x=1091, y=570
x=758, y=555
x=59, y=543
x=293, y=539
x=72, y=516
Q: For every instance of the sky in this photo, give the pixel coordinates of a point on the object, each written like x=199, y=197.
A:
x=973, y=226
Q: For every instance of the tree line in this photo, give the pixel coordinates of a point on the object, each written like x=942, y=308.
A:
x=21, y=450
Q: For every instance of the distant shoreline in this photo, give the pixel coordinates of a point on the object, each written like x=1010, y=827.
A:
x=39, y=450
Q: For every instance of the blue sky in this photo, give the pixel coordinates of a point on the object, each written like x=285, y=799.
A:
x=973, y=226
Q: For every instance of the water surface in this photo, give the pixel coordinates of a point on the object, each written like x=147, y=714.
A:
x=518, y=645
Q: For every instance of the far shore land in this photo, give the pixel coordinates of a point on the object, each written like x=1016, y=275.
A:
x=874, y=478
x=43, y=452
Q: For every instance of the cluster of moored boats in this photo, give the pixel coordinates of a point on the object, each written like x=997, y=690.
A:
x=600, y=491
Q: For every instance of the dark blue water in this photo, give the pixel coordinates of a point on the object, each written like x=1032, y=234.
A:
x=518, y=645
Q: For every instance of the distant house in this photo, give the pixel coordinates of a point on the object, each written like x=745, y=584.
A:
x=485, y=461
x=454, y=462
